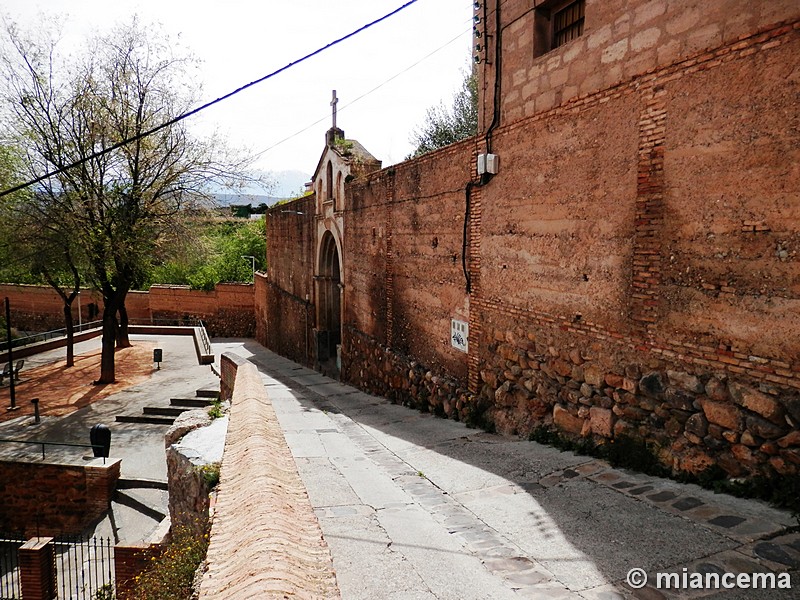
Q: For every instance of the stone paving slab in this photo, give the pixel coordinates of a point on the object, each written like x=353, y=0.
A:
x=417, y=507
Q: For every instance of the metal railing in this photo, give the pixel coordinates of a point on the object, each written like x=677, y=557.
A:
x=44, y=444
x=84, y=566
x=10, y=584
x=33, y=338
x=204, y=338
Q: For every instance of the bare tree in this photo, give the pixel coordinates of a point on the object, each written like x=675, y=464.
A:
x=118, y=204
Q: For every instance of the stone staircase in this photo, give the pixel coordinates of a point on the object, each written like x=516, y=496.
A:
x=166, y=415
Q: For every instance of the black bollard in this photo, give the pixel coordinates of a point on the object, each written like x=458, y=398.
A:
x=100, y=438
x=36, y=417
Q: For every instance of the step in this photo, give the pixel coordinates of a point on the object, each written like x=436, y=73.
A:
x=207, y=393
x=164, y=411
x=124, y=483
x=152, y=420
x=191, y=402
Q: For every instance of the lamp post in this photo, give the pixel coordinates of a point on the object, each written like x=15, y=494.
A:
x=253, y=262
x=80, y=322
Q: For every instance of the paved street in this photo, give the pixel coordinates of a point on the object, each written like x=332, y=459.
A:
x=413, y=506
x=417, y=507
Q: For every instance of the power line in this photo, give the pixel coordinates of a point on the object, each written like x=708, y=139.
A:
x=190, y=113
x=261, y=153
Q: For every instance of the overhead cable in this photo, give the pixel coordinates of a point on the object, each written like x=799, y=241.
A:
x=205, y=106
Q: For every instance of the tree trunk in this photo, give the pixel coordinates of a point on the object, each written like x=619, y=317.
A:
x=123, y=341
x=69, y=324
x=107, y=371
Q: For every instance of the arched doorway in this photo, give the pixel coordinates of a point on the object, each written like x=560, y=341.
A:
x=329, y=294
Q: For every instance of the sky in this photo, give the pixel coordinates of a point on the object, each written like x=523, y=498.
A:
x=416, y=59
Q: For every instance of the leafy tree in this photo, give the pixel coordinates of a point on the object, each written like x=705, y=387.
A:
x=216, y=255
x=35, y=244
x=120, y=205
x=444, y=126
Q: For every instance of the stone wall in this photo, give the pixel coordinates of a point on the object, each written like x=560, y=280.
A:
x=622, y=40
x=189, y=490
x=55, y=499
x=633, y=265
x=227, y=311
x=636, y=261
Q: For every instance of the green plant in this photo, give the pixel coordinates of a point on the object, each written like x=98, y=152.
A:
x=106, y=592
x=343, y=146
x=215, y=410
x=170, y=575
x=210, y=474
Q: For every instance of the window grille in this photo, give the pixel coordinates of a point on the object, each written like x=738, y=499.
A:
x=568, y=23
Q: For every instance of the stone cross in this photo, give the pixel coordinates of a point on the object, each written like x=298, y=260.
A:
x=334, y=102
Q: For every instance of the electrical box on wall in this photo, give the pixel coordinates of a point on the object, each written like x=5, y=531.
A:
x=488, y=163
x=459, y=335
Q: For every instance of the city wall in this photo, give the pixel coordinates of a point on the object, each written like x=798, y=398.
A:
x=632, y=267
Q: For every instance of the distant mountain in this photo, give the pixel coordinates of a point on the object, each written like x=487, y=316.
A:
x=244, y=199
x=288, y=184
x=274, y=185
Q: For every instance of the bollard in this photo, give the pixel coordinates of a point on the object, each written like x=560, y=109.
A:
x=100, y=435
x=36, y=418
x=157, y=357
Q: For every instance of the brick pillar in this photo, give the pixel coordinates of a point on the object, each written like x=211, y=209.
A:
x=101, y=481
x=37, y=569
x=129, y=563
x=646, y=272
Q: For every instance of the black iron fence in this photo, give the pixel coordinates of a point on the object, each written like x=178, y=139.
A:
x=44, y=445
x=84, y=567
x=10, y=583
x=33, y=338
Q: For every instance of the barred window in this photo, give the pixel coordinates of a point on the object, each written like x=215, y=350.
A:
x=555, y=23
x=568, y=23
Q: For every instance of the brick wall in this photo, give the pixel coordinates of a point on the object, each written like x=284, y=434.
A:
x=637, y=246
x=633, y=265
x=622, y=40
x=227, y=310
x=55, y=499
x=285, y=296
x=403, y=250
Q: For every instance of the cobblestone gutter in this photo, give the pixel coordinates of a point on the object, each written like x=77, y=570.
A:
x=265, y=538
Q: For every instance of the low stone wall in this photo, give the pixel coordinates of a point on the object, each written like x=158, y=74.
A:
x=53, y=499
x=693, y=420
x=193, y=442
x=265, y=538
x=384, y=372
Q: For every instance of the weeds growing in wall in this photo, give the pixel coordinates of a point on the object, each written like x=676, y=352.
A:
x=215, y=410
x=171, y=575
x=210, y=474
